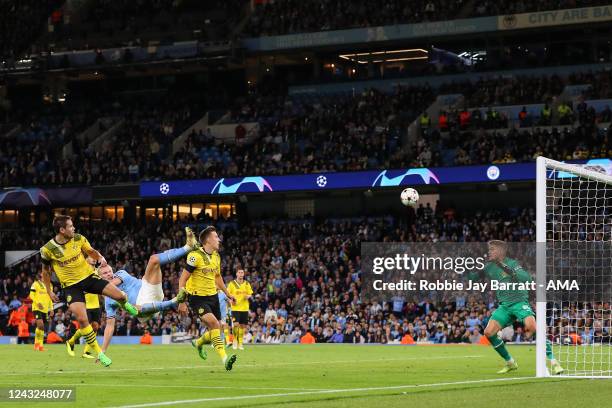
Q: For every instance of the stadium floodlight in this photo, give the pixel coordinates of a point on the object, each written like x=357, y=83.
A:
x=574, y=226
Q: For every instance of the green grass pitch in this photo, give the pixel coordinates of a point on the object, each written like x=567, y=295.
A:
x=298, y=376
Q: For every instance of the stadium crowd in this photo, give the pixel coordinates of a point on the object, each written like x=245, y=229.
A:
x=292, y=16
x=305, y=134
x=477, y=146
x=282, y=17
x=100, y=24
x=35, y=154
x=506, y=7
x=305, y=275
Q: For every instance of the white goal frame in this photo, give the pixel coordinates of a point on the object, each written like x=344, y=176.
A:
x=542, y=166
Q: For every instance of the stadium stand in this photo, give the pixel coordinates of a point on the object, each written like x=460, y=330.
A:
x=292, y=16
x=305, y=274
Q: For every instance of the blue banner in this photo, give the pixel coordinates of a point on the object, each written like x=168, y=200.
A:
x=350, y=180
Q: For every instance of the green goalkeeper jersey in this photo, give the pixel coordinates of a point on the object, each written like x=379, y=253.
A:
x=507, y=271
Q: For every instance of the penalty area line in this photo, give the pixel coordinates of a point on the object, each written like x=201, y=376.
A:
x=321, y=392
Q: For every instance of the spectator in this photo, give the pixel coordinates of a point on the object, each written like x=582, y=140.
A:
x=308, y=338
x=146, y=338
x=475, y=335
x=338, y=337
x=23, y=333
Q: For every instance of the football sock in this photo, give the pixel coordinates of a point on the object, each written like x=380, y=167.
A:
x=154, y=307
x=549, y=352
x=39, y=336
x=75, y=337
x=215, y=335
x=240, y=335
x=499, y=346
x=90, y=337
x=173, y=255
x=204, y=339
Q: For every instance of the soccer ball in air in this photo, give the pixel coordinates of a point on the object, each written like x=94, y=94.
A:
x=409, y=197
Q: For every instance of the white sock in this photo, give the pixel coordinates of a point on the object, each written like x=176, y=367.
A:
x=511, y=361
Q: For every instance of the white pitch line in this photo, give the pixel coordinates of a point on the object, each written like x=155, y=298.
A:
x=144, y=369
x=332, y=391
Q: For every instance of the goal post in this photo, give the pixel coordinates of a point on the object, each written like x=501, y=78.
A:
x=573, y=238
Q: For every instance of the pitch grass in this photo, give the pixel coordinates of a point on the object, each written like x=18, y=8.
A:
x=298, y=376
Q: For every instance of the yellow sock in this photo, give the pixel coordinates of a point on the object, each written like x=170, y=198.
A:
x=75, y=337
x=240, y=335
x=39, y=336
x=205, y=339
x=226, y=334
x=87, y=349
x=215, y=335
x=90, y=337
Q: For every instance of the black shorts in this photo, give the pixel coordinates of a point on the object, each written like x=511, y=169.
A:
x=94, y=315
x=201, y=305
x=91, y=284
x=241, y=317
x=40, y=315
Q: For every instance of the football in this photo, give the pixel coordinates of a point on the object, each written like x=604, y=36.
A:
x=409, y=197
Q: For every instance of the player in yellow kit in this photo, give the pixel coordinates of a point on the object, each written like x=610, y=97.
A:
x=242, y=291
x=92, y=304
x=65, y=254
x=41, y=306
x=201, y=279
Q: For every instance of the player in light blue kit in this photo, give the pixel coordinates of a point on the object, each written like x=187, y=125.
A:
x=223, y=321
x=146, y=294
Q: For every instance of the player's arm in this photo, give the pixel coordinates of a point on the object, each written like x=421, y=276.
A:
x=88, y=250
x=184, y=278
x=45, y=258
x=517, y=272
x=109, y=330
x=249, y=291
x=50, y=307
x=221, y=285
x=182, y=307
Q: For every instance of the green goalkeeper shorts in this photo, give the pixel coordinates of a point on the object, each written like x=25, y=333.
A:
x=507, y=314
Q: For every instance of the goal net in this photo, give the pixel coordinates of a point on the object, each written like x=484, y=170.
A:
x=574, y=220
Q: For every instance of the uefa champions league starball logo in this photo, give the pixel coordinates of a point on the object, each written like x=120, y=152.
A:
x=321, y=181
x=164, y=188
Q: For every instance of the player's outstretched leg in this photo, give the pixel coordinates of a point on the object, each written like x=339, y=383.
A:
x=39, y=335
x=199, y=345
x=153, y=273
x=554, y=364
x=72, y=341
x=240, y=337
x=121, y=298
x=493, y=327
x=213, y=336
x=154, y=307
x=530, y=329
x=86, y=331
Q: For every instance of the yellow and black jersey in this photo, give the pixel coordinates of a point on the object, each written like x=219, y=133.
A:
x=241, y=291
x=67, y=260
x=204, y=268
x=41, y=302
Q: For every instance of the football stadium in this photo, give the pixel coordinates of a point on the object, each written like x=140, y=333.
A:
x=305, y=203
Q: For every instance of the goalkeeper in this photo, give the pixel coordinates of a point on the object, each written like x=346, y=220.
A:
x=513, y=304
